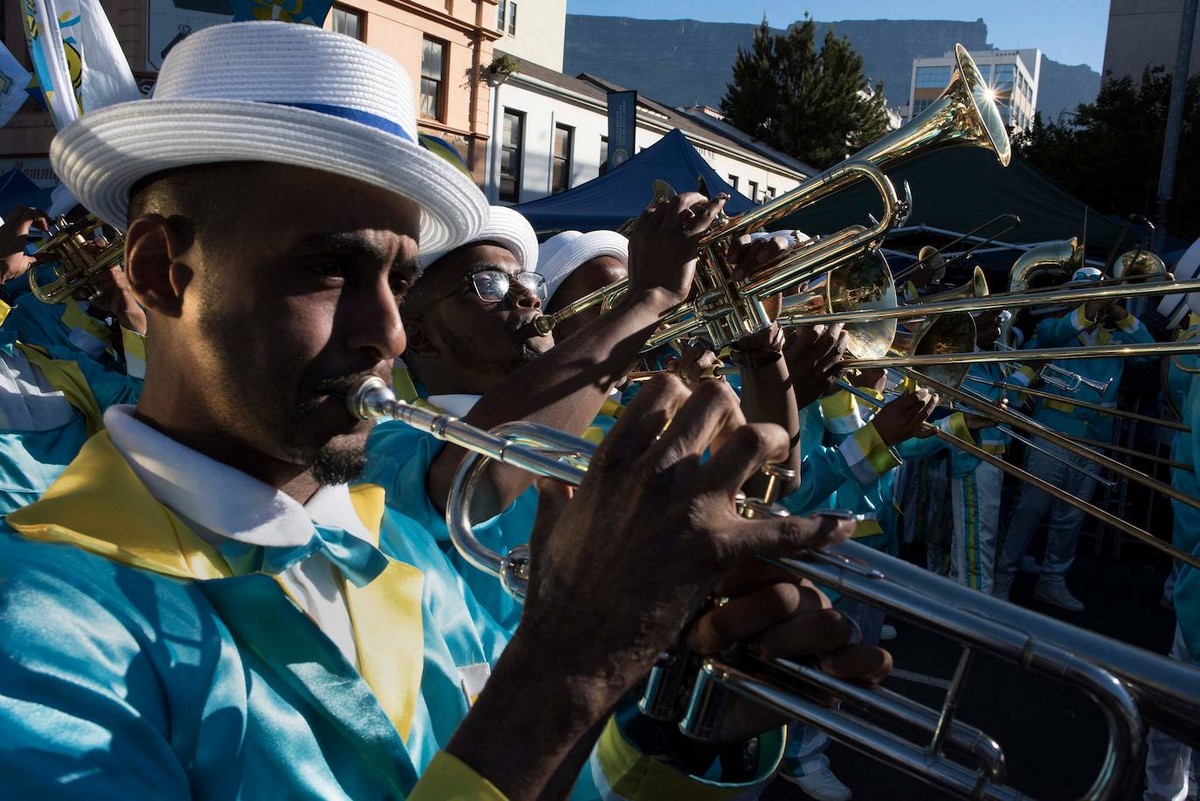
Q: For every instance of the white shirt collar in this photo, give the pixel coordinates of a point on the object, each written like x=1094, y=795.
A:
x=457, y=405
x=219, y=501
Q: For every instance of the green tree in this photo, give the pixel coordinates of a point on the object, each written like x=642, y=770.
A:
x=802, y=100
x=1109, y=152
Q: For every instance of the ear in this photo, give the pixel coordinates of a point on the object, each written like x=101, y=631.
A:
x=154, y=247
x=420, y=343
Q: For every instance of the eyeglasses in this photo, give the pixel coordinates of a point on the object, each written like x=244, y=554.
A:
x=491, y=286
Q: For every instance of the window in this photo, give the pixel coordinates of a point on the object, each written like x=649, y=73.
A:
x=350, y=22
x=919, y=106
x=433, y=77
x=603, y=153
x=560, y=167
x=770, y=193
x=512, y=18
x=733, y=181
x=501, y=11
x=511, y=147
x=932, y=77
x=753, y=187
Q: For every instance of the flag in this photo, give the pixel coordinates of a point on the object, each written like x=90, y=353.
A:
x=76, y=58
x=308, y=12
x=13, y=80
x=52, y=52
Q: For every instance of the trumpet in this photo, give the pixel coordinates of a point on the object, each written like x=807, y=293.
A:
x=84, y=250
x=1129, y=685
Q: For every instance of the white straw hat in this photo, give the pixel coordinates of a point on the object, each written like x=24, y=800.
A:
x=563, y=253
x=506, y=227
x=1175, y=307
x=275, y=92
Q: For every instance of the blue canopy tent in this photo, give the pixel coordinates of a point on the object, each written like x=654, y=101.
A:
x=18, y=189
x=615, y=197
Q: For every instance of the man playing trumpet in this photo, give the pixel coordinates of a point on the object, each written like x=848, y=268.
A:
x=198, y=609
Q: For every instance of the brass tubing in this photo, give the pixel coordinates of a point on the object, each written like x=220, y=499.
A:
x=1033, y=354
x=1037, y=393
x=1005, y=300
x=1102, y=515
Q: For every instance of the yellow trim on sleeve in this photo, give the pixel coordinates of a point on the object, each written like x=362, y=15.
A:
x=448, y=778
x=1060, y=406
x=1128, y=323
x=76, y=319
x=634, y=776
x=879, y=455
x=134, y=346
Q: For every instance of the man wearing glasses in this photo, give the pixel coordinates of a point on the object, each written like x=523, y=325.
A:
x=468, y=325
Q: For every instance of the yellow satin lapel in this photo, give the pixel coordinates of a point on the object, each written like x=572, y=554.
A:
x=386, y=617
x=100, y=494
x=67, y=378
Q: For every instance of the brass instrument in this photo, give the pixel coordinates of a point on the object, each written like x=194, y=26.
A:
x=977, y=287
x=965, y=114
x=934, y=256
x=1068, y=381
x=1096, y=407
x=1126, y=682
x=1049, y=264
x=1139, y=266
x=83, y=251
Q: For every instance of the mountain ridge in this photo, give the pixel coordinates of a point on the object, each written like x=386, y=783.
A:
x=687, y=62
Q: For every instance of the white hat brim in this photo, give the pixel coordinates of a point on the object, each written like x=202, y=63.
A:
x=103, y=154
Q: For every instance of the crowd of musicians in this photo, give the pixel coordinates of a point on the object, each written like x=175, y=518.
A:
x=216, y=582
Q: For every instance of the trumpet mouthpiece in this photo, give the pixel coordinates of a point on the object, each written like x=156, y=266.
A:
x=368, y=398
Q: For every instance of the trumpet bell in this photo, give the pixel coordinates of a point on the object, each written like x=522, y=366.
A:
x=1139, y=267
x=858, y=286
x=946, y=333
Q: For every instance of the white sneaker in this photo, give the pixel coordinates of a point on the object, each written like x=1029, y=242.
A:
x=888, y=632
x=821, y=785
x=1029, y=565
x=1057, y=595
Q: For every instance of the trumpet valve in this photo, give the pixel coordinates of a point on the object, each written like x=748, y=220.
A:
x=768, y=505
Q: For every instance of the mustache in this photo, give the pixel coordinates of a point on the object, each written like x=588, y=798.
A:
x=343, y=384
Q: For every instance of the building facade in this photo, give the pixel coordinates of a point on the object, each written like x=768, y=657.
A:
x=1145, y=33
x=444, y=45
x=1012, y=74
x=551, y=134
x=533, y=30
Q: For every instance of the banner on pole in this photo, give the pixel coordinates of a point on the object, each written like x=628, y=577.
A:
x=622, y=127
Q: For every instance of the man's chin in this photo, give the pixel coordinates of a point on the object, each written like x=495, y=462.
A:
x=342, y=459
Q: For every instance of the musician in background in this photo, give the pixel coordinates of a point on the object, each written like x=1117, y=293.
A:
x=853, y=473
x=52, y=396
x=1095, y=323
x=575, y=265
x=197, y=609
x=1170, y=764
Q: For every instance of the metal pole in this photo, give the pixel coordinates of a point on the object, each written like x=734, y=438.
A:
x=1179, y=79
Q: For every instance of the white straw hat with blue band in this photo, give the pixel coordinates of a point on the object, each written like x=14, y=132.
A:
x=276, y=92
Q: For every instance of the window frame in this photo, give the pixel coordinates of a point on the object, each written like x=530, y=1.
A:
x=439, y=97
x=566, y=160
x=357, y=13
x=518, y=150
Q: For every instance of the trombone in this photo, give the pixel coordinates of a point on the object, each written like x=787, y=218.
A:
x=1126, y=682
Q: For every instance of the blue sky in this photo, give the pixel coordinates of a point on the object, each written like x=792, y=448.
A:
x=1068, y=31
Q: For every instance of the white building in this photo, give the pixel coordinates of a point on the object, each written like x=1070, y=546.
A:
x=550, y=133
x=1012, y=74
x=533, y=30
